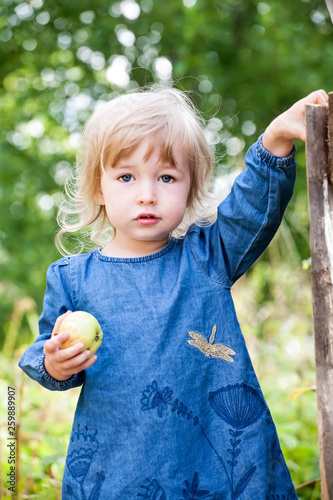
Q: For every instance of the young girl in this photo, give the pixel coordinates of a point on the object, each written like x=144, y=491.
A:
x=172, y=408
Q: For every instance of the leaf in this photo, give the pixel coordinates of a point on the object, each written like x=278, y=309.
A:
x=195, y=421
x=202, y=493
x=186, y=495
x=188, y=486
x=195, y=482
x=235, y=434
x=244, y=481
x=94, y=494
x=190, y=415
x=175, y=405
x=298, y=391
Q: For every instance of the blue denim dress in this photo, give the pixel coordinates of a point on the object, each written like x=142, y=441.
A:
x=172, y=409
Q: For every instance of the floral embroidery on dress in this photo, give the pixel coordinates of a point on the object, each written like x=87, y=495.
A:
x=209, y=348
x=192, y=492
x=277, y=497
x=239, y=405
x=83, y=446
x=153, y=399
x=151, y=490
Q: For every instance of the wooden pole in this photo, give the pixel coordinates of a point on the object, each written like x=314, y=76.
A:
x=320, y=192
x=329, y=5
x=330, y=138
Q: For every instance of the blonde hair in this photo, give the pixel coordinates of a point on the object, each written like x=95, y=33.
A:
x=113, y=132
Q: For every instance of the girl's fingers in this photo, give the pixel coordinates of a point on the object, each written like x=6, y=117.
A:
x=67, y=354
x=75, y=357
x=87, y=363
x=322, y=97
x=80, y=362
x=54, y=342
x=317, y=97
x=59, y=320
x=71, y=352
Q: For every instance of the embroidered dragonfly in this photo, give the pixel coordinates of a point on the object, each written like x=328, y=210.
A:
x=210, y=349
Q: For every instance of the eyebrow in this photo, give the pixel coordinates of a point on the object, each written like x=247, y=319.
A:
x=123, y=164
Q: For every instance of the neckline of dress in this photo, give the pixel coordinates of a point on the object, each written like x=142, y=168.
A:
x=133, y=260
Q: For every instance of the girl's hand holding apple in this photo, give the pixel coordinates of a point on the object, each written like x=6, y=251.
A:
x=61, y=364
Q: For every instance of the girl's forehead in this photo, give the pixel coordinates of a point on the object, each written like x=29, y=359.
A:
x=152, y=146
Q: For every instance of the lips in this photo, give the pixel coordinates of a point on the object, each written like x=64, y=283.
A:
x=146, y=219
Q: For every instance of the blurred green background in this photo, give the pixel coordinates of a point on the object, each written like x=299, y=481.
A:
x=244, y=62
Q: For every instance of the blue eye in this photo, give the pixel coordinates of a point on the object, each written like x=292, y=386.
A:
x=167, y=179
x=126, y=178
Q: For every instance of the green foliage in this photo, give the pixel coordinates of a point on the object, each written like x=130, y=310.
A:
x=43, y=425
x=244, y=63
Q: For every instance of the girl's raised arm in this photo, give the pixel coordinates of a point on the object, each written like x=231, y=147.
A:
x=250, y=216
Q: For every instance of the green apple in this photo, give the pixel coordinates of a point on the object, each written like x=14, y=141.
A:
x=81, y=327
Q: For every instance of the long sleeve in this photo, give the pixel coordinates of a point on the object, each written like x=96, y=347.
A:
x=57, y=301
x=248, y=218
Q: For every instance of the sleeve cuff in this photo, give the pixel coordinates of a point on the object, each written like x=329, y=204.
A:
x=58, y=385
x=274, y=161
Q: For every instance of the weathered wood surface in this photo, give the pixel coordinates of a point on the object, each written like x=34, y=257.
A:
x=320, y=192
x=330, y=138
x=329, y=5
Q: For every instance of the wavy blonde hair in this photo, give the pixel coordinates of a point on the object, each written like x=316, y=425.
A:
x=113, y=132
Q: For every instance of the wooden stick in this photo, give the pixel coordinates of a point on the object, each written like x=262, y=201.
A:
x=330, y=137
x=329, y=5
x=320, y=192
x=308, y=483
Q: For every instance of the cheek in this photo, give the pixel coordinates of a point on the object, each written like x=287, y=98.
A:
x=176, y=201
x=109, y=195
x=184, y=197
x=178, y=205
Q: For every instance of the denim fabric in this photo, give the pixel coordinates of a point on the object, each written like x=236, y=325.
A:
x=172, y=409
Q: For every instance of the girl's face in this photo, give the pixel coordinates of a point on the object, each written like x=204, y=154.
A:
x=145, y=200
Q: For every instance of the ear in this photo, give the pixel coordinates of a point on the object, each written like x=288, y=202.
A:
x=99, y=198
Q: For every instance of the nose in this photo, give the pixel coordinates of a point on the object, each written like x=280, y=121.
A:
x=146, y=193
